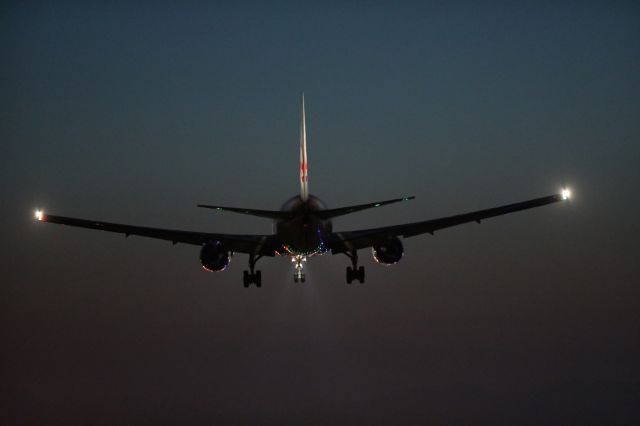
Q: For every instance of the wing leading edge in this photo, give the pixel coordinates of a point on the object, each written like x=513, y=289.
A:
x=251, y=244
x=342, y=242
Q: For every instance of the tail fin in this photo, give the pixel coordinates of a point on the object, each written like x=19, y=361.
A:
x=304, y=178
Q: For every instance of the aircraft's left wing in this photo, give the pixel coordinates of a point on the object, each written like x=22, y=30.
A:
x=341, y=242
x=256, y=244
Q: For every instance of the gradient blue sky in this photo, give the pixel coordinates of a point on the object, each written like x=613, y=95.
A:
x=135, y=112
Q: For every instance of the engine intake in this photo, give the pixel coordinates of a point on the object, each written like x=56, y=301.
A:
x=214, y=257
x=388, y=253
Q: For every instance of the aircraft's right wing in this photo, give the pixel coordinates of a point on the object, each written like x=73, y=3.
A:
x=256, y=244
x=341, y=242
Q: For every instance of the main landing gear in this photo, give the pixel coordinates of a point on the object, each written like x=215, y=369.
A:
x=298, y=275
x=353, y=272
x=251, y=276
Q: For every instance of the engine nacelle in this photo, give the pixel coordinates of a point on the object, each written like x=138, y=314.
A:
x=388, y=253
x=214, y=257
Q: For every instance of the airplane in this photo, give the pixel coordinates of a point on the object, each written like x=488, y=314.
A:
x=303, y=229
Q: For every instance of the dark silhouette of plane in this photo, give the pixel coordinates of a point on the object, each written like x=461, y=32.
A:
x=303, y=229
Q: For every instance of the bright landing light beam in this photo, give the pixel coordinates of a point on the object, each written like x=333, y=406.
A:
x=38, y=214
x=566, y=193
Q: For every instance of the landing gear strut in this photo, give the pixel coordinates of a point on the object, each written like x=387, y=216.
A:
x=353, y=272
x=251, y=276
x=298, y=275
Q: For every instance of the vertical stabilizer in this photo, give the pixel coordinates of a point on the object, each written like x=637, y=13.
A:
x=304, y=178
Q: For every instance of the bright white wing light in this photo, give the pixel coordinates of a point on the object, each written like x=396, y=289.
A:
x=38, y=214
x=566, y=193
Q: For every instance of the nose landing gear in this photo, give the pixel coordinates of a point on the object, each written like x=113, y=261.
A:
x=298, y=275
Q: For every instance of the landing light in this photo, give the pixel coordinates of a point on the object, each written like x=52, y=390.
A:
x=39, y=214
x=566, y=194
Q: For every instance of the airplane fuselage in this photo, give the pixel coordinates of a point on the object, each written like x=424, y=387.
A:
x=304, y=233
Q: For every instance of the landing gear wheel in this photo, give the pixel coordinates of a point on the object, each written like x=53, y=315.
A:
x=298, y=276
x=298, y=273
x=361, y=274
x=353, y=272
x=249, y=278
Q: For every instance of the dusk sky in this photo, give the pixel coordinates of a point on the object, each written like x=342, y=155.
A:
x=134, y=112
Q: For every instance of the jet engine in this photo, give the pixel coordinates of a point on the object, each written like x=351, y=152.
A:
x=388, y=253
x=214, y=257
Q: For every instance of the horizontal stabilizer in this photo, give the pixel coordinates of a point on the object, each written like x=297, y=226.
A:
x=329, y=213
x=269, y=214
